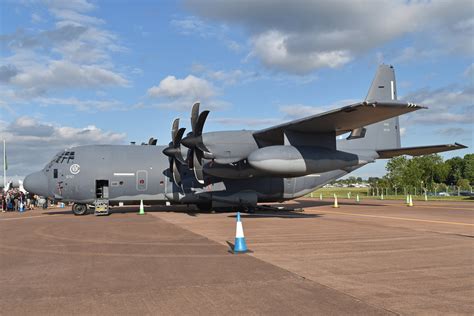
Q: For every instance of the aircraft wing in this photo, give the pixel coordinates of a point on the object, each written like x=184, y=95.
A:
x=340, y=121
x=418, y=151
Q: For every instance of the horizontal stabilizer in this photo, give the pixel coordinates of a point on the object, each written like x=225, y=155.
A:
x=418, y=151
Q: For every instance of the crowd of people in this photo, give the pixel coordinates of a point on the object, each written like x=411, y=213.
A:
x=15, y=200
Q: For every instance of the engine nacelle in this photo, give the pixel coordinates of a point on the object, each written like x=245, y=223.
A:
x=239, y=170
x=290, y=161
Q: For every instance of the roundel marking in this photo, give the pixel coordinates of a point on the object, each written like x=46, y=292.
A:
x=75, y=168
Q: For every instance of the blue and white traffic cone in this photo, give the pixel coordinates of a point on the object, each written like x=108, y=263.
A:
x=240, y=245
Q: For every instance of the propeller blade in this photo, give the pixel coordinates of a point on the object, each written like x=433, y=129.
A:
x=175, y=128
x=176, y=174
x=189, y=159
x=194, y=115
x=197, y=167
x=178, y=136
x=200, y=123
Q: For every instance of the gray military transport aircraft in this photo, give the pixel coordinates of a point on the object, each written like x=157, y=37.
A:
x=235, y=169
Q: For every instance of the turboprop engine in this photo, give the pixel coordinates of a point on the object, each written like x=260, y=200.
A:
x=291, y=161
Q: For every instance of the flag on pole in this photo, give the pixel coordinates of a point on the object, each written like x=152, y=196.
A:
x=5, y=164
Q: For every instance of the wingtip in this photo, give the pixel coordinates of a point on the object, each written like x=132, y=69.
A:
x=460, y=146
x=414, y=105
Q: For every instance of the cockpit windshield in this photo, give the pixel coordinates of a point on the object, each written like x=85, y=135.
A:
x=62, y=157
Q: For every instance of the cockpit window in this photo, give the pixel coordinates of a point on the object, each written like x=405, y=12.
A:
x=66, y=157
x=62, y=157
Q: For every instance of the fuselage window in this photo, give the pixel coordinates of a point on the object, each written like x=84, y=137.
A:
x=55, y=173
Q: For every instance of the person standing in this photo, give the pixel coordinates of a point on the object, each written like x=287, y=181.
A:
x=4, y=203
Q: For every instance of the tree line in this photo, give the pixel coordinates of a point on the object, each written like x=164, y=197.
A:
x=428, y=173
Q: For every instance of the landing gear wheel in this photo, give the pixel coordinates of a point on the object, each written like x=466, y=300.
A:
x=79, y=209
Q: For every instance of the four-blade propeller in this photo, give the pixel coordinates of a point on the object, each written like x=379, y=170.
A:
x=193, y=141
x=173, y=151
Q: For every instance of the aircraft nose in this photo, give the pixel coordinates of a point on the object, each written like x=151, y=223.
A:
x=36, y=183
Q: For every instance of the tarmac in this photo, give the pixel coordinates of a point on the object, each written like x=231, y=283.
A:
x=371, y=258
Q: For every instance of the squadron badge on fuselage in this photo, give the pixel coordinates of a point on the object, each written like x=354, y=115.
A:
x=75, y=168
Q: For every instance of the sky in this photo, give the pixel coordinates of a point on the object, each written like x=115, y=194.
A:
x=82, y=72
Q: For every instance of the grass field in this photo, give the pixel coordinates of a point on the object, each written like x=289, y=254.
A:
x=364, y=194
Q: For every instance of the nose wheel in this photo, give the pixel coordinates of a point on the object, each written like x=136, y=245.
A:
x=79, y=209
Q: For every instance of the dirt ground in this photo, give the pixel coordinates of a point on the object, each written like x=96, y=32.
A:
x=376, y=257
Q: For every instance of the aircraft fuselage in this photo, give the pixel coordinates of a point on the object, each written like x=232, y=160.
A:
x=130, y=173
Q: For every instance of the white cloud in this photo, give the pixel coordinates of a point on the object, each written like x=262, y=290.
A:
x=271, y=47
x=228, y=77
x=36, y=18
x=412, y=53
x=301, y=36
x=453, y=131
x=81, y=105
x=443, y=118
x=190, y=87
x=469, y=72
x=192, y=25
x=76, y=5
x=74, y=54
x=447, y=105
x=63, y=74
x=10, y=99
x=32, y=143
x=179, y=94
x=185, y=104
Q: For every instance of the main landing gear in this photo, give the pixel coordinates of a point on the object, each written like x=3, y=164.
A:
x=79, y=209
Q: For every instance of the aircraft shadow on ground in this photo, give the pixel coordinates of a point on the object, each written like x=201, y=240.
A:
x=65, y=212
x=308, y=203
x=277, y=214
x=194, y=213
x=270, y=210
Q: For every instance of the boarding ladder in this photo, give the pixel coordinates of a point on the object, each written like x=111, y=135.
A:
x=101, y=207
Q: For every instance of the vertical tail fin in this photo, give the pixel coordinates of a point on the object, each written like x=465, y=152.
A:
x=385, y=134
x=383, y=86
